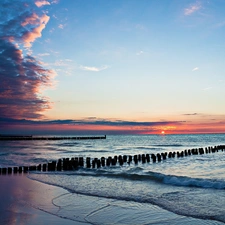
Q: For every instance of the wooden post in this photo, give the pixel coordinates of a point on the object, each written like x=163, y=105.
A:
x=15, y=170
x=44, y=167
x=88, y=162
x=20, y=169
x=153, y=157
x=4, y=170
x=25, y=169
x=9, y=170
x=103, y=161
x=143, y=158
x=148, y=158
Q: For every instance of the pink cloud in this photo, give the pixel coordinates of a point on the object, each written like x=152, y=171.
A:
x=41, y=3
x=21, y=81
x=30, y=36
x=192, y=9
x=32, y=19
x=22, y=76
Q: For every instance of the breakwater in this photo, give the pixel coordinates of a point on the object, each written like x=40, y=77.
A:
x=21, y=138
x=69, y=164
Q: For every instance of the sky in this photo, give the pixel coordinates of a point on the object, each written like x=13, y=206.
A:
x=112, y=67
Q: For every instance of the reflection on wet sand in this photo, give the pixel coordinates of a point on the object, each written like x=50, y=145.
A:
x=20, y=197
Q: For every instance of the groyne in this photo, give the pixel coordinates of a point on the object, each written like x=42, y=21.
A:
x=69, y=164
x=55, y=138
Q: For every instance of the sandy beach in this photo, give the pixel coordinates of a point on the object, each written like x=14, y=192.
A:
x=25, y=201
x=19, y=198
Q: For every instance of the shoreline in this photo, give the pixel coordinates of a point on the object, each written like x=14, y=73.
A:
x=20, y=197
x=26, y=201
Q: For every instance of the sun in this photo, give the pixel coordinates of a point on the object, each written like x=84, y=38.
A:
x=162, y=132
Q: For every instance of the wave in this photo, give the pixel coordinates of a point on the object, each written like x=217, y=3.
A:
x=180, y=201
x=147, y=148
x=68, y=144
x=168, y=145
x=138, y=174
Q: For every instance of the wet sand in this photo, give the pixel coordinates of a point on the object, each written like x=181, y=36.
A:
x=20, y=197
x=25, y=201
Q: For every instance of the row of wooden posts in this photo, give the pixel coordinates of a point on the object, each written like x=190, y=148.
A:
x=47, y=138
x=67, y=164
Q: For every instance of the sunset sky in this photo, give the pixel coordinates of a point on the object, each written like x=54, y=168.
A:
x=112, y=66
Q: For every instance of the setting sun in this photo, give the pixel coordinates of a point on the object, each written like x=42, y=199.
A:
x=163, y=132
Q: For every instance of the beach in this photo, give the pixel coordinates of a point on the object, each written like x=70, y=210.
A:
x=177, y=190
x=19, y=198
x=25, y=201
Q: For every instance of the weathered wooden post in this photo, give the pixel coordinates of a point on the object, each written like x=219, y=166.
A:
x=44, y=167
x=139, y=157
x=93, y=163
x=20, y=169
x=129, y=158
x=153, y=158
x=59, y=165
x=15, y=169
x=88, y=162
x=25, y=169
x=103, y=161
x=159, y=157
x=9, y=170
x=65, y=164
x=124, y=158
x=120, y=160
x=4, y=170
x=81, y=161
x=98, y=163
x=114, y=161
x=143, y=158
x=75, y=163
x=148, y=158
x=163, y=155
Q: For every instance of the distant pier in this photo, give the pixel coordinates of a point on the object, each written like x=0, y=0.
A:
x=55, y=138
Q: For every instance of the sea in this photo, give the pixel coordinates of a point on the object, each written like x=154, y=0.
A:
x=190, y=186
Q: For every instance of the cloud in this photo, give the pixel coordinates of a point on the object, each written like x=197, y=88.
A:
x=93, y=69
x=31, y=35
x=22, y=76
x=21, y=79
x=89, y=121
x=140, y=53
x=61, y=26
x=208, y=88
x=41, y=3
x=192, y=114
x=192, y=9
x=195, y=69
x=55, y=1
x=44, y=54
x=23, y=23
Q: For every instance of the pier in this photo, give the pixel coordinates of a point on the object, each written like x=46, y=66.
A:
x=43, y=138
x=70, y=164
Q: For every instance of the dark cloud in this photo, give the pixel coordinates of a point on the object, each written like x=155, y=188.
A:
x=21, y=75
x=191, y=114
x=116, y=123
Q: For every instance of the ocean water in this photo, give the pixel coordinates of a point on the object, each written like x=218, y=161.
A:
x=192, y=186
